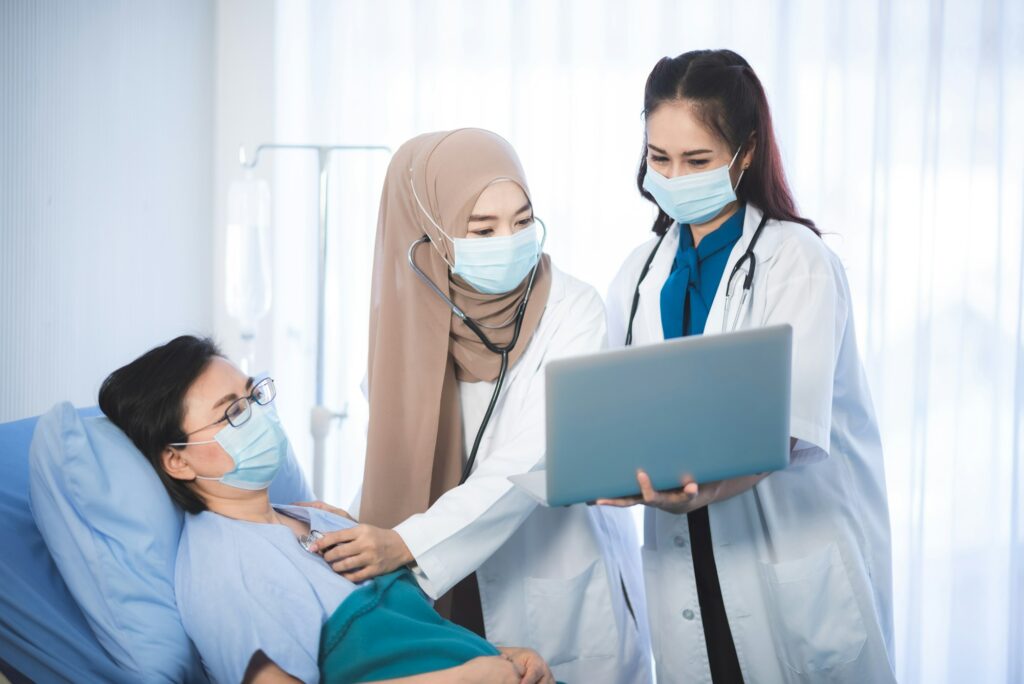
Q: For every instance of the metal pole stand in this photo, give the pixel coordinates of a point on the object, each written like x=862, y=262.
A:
x=321, y=418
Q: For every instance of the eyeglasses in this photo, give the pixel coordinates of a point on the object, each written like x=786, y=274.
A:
x=240, y=410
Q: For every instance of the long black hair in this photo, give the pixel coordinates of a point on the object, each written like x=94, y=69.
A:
x=146, y=400
x=731, y=102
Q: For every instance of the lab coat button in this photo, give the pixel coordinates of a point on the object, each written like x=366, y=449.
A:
x=688, y=614
x=679, y=540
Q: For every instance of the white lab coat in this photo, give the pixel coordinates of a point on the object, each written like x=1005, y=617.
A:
x=803, y=558
x=550, y=579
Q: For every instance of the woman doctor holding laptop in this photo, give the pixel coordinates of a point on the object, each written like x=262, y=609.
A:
x=782, y=577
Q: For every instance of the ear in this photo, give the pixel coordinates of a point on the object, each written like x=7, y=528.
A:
x=175, y=465
x=748, y=156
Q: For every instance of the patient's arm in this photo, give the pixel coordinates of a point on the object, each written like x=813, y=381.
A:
x=482, y=670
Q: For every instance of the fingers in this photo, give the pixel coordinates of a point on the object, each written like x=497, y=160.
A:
x=673, y=499
x=529, y=664
x=534, y=672
x=363, y=574
x=622, y=502
x=690, y=487
x=346, y=550
x=519, y=657
x=652, y=497
x=516, y=665
x=351, y=564
x=647, y=491
x=309, y=504
x=338, y=537
x=537, y=671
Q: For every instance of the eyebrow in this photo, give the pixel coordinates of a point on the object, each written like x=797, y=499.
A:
x=231, y=397
x=479, y=217
x=688, y=153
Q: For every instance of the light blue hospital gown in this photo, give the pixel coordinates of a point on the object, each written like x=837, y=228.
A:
x=244, y=586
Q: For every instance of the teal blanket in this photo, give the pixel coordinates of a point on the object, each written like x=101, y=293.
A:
x=387, y=628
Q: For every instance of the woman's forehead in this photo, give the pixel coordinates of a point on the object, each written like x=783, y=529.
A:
x=503, y=196
x=219, y=378
x=676, y=127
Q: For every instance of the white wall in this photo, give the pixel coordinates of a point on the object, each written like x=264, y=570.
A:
x=105, y=190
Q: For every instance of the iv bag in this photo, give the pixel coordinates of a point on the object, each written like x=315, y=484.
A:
x=247, y=257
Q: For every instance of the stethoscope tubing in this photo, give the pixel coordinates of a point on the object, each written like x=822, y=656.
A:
x=502, y=350
x=748, y=281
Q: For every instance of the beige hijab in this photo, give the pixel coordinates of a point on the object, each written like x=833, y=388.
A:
x=418, y=349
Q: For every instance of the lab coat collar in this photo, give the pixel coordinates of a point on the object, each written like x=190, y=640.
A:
x=766, y=245
x=650, y=289
x=557, y=291
x=764, y=252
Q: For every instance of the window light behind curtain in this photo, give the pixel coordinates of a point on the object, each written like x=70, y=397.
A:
x=900, y=128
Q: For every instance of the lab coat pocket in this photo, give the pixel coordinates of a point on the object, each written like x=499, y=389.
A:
x=817, y=622
x=572, y=619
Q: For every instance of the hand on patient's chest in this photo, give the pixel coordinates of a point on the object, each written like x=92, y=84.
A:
x=363, y=552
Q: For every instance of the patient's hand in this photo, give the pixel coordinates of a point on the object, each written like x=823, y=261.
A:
x=534, y=669
x=363, y=552
x=489, y=669
x=325, y=507
x=482, y=670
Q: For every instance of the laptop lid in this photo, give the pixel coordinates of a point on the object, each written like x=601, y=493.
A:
x=712, y=406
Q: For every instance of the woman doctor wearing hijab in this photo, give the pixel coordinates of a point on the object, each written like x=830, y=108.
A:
x=466, y=312
x=771, y=578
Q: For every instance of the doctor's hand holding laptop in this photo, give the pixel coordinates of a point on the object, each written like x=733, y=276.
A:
x=625, y=425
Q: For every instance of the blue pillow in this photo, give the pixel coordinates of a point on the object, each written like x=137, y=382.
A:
x=44, y=636
x=113, y=532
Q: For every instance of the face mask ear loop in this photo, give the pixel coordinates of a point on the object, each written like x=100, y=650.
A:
x=188, y=444
x=742, y=171
x=412, y=186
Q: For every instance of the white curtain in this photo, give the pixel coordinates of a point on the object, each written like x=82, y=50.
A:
x=901, y=129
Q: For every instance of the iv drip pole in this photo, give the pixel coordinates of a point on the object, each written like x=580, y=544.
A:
x=321, y=417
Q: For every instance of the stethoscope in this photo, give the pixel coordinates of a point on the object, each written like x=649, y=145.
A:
x=748, y=281
x=477, y=328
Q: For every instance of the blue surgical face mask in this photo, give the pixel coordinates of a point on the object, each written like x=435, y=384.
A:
x=694, y=197
x=495, y=265
x=258, y=447
x=491, y=265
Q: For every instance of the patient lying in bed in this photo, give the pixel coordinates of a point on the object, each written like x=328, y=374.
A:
x=258, y=605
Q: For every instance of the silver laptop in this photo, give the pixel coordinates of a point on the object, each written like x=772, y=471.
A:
x=711, y=406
